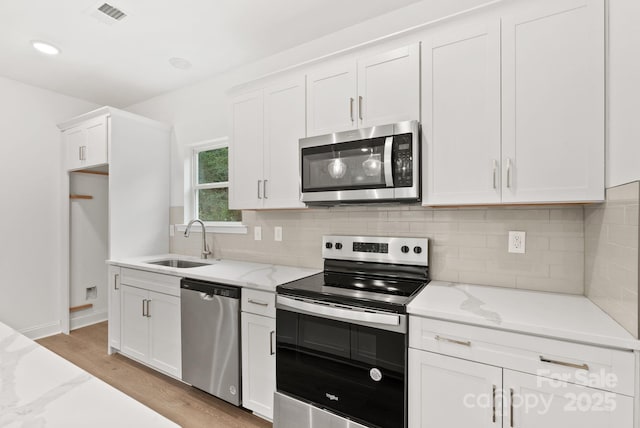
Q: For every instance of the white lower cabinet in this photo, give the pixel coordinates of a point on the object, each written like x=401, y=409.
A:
x=475, y=377
x=113, y=285
x=258, y=332
x=451, y=392
x=151, y=328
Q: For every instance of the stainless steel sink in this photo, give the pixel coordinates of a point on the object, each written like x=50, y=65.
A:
x=177, y=263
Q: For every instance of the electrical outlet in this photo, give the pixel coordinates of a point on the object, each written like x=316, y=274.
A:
x=517, y=242
x=172, y=230
x=277, y=233
x=257, y=233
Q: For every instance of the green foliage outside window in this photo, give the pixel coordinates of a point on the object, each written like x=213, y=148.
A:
x=213, y=204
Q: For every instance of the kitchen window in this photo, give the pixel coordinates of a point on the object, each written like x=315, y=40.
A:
x=209, y=193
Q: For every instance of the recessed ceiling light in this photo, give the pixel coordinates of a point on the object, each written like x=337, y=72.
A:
x=180, y=63
x=45, y=48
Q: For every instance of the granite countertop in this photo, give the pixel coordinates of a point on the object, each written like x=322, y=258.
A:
x=259, y=276
x=561, y=316
x=39, y=388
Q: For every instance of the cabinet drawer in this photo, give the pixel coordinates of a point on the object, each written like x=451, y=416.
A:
x=259, y=302
x=588, y=365
x=166, y=284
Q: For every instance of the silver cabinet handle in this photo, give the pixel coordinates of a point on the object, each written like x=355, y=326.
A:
x=564, y=363
x=116, y=278
x=259, y=184
x=148, y=308
x=511, y=407
x=80, y=153
x=143, y=304
x=508, y=173
x=457, y=342
x=360, y=107
x=495, y=173
x=351, y=108
x=258, y=302
x=271, y=351
x=264, y=189
x=494, y=405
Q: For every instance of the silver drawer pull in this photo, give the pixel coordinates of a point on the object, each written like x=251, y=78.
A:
x=564, y=363
x=457, y=342
x=258, y=302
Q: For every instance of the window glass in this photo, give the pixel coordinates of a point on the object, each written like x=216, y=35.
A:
x=213, y=166
x=214, y=206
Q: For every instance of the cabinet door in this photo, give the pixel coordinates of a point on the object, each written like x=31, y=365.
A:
x=245, y=151
x=75, y=142
x=450, y=392
x=461, y=113
x=284, y=125
x=97, y=137
x=258, y=363
x=135, y=327
x=113, y=285
x=535, y=402
x=331, y=106
x=553, y=101
x=164, y=333
x=389, y=87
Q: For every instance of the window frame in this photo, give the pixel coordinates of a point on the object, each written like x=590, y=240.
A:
x=191, y=179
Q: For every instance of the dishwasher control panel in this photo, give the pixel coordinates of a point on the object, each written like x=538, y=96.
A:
x=210, y=288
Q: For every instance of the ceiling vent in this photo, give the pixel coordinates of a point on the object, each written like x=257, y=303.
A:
x=112, y=12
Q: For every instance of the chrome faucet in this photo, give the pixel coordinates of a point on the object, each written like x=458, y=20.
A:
x=205, y=248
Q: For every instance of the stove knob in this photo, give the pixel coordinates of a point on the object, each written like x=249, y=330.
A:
x=404, y=249
x=338, y=246
x=417, y=250
x=328, y=245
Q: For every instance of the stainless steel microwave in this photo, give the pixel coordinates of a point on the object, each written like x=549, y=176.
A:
x=377, y=164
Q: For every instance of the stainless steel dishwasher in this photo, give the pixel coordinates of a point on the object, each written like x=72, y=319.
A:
x=210, y=338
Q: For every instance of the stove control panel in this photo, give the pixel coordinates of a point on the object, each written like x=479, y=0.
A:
x=409, y=251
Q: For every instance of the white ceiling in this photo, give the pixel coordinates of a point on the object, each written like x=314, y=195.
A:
x=127, y=62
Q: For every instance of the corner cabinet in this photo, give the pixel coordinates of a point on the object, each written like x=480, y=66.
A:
x=150, y=320
x=375, y=90
x=265, y=126
x=258, y=351
x=513, y=105
x=477, y=377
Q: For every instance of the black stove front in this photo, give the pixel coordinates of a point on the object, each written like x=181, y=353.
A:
x=341, y=335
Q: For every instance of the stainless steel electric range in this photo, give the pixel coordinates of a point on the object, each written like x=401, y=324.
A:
x=341, y=335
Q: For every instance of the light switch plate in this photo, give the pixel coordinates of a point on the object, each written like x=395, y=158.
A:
x=517, y=241
x=257, y=233
x=277, y=233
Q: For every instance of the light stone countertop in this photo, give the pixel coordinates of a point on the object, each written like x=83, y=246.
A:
x=561, y=316
x=41, y=389
x=259, y=276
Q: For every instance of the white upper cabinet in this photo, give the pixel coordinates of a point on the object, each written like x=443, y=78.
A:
x=513, y=106
x=375, y=90
x=331, y=106
x=284, y=125
x=87, y=144
x=461, y=113
x=245, y=150
x=266, y=127
x=553, y=101
x=389, y=87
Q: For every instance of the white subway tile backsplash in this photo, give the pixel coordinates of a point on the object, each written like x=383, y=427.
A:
x=467, y=244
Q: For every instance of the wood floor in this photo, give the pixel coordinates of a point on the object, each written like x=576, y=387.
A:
x=186, y=406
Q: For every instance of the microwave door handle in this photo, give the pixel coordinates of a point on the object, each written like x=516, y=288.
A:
x=388, y=166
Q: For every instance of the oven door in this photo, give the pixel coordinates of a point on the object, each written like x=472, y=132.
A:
x=347, y=361
x=373, y=164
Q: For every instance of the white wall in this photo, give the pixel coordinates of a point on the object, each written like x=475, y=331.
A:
x=30, y=194
x=624, y=92
x=199, y=112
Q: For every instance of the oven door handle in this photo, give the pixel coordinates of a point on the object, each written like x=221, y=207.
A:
x=388, y=165
x=343, y=314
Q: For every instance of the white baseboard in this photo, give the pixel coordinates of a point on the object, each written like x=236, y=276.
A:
x=40, y=331
x=86, y=320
